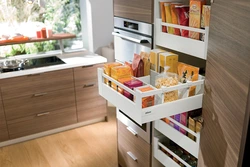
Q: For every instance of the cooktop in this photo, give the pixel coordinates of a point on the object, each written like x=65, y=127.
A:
x=36, y=63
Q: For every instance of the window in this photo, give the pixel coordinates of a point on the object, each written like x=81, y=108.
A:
x=27, y=16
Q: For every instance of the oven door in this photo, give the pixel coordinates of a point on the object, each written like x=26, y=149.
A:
x=140, y=10
x=127, y=43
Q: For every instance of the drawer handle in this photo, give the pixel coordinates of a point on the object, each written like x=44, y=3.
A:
x=88, y=85
x=132, y=156
x=87, y=66
x=40, y=94
x=132, y=131
x=43, y=114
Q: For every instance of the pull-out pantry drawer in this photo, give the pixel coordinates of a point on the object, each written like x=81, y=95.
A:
x=90, y=104
x=133, y=151
x=3, y=127
x=42, y=122
x=38, y=103
x=86, y=75
x=36, y=83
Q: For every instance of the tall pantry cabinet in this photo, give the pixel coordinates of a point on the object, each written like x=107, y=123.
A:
x=225, y=111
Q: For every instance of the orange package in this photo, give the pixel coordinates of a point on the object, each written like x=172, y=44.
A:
x=205, y=17
x=175, y=17
x=163, y=16
x=122, y=80
x=147, y=101
x=188, y=73
x=120, y=72
x=195, y=17
x=107, y=69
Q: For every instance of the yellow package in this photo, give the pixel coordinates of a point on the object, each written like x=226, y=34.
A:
x=168, y=17
x=120, y=72
x=188, y=73
x=205, y=17
x=107, y=69
x=154, y=59
x=195, y=17
x=146, y=61
x=168, y=59
x=122, y=80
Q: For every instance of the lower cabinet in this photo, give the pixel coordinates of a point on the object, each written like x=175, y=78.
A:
x=3, y=128
x=133, y=151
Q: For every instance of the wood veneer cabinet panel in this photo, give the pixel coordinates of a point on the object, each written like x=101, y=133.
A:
x=86, y=75
x=226, y=84
x=37, y=83
x=127, y=142
x=34, y=124
x=140, y=10
x=32, y=104
x=3, y=128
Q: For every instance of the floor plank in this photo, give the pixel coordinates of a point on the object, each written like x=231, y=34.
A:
x=89, y=146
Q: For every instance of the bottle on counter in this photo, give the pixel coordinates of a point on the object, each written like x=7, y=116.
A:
x=43, y=33
x=49, y=31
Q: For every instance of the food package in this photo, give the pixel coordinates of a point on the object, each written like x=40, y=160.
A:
x=130, y=65
x=205, y=18
x=168, y=59
x=147, y=101
x=188, y=73
x=164, y=80
x=195, y=17
x=183, y=121
x=175, y=17
x=122, y=80
x=163, y=15
x=154, y=59
x=137, y=66
x=146, y=61
x=199, y=123
x=131, y=84
x=107, y=70
x=168, y=17
x=120, y=72
x=191, y=125
x=183, y=18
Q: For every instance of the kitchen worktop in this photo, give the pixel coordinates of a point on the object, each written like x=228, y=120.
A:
x=71, y=59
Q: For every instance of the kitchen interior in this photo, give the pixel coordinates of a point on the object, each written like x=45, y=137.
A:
x=145, y=83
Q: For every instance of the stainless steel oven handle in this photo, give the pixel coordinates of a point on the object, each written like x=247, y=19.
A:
x=130, y=39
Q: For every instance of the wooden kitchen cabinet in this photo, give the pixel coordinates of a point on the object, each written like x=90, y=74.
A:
x=225, y=113
x=3, y=128
x=89, y=103
x=139, y=10
x=133, y=151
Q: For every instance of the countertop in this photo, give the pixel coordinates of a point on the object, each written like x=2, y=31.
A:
x=71, y=59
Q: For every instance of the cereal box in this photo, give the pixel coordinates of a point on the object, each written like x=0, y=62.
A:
x=107, y=69
x=175, y=17
x=195, y=17
x=168, y=59
x=205, y=17
x=168, y=17
x=154, y=59
x=163, y=15
x=120, y=72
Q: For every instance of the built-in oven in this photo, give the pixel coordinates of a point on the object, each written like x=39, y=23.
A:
x=131, y=37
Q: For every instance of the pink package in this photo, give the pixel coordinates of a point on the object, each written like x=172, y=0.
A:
x=183, y=121
x=131, y=84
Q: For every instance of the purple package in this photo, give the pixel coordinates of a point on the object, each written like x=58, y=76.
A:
x=183, y=121
x=177, y=118
x=131, y=84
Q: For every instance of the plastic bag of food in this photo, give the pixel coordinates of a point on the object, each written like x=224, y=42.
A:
x=183, y=18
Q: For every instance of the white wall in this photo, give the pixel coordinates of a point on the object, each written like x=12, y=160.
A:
x=97, y=24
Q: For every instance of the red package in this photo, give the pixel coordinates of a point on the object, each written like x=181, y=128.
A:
x=138, y=66
x=183, y=18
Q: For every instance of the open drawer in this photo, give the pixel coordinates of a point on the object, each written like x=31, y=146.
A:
x=167, y=157
x=179, y=138
x=134, y=109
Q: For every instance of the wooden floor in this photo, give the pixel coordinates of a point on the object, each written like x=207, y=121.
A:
x=90, y=146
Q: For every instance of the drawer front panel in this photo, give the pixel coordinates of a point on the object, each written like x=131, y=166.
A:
x=86, y=74
x=46, y=121
x=31, y=84
x=139, y=10
x=131, y=146
x=38, y=103
x=3, y=128
x=92, y=113
x=87, y=93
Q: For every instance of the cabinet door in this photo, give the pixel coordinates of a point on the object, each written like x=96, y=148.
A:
x=226, y=84
x=3, y=127
x=139, y=10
